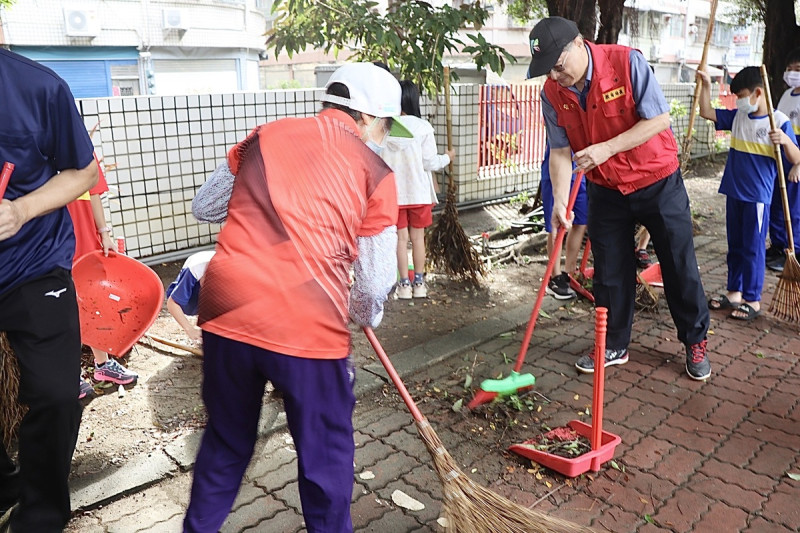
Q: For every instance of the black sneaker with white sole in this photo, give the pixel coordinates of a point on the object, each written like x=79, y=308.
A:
x=558, y=287
x=585, y=364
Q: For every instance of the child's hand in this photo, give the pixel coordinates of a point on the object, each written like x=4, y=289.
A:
x=777, y=136
x=108, y=243
x=794, y=174
x=195, y=334
x=704, y=77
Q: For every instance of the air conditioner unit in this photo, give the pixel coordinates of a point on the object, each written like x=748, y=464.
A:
x=81, y=22
x=174, y=19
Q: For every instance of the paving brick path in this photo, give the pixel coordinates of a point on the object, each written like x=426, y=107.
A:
x=697, y=457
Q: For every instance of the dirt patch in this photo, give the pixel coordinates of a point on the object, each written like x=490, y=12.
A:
x=166, y=402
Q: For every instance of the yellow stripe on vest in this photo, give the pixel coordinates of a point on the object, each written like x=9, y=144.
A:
x=613, y=94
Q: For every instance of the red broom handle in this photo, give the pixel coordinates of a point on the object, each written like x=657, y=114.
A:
x=5, y=177
x=600, y=326
x=555, y=255
x=387, y=364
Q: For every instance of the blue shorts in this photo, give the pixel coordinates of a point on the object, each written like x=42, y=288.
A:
x=581, y=208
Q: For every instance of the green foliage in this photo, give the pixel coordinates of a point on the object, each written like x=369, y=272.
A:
x=411, y=37
x=526, y=10
x=286, y=84
x=677, y=109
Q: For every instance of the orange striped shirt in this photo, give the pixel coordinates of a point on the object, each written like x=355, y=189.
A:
x=305, y=188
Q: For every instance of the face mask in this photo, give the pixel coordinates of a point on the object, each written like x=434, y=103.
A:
x=744, y=105
x=792, y=78
x=375, y=147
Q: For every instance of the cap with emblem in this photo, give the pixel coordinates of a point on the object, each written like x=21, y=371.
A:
x=547, y=40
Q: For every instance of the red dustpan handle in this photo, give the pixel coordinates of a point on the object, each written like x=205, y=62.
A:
x=387, y=364
x=555, y=255
x=5, y=176
x=600, y=327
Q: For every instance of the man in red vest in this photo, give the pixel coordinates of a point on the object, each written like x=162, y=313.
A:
x=603, y=103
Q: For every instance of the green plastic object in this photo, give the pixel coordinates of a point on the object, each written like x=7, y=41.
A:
x=509, y=385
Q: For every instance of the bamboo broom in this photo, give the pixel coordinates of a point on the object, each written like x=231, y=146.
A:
x=467, y=506
x=785, y=302
x=447, y=245
x=11, y=411
x=686, y=149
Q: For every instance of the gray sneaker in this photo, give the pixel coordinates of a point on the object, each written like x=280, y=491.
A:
x=114, y=372
x=585, y=364
x=558, y=287
x=697, y=365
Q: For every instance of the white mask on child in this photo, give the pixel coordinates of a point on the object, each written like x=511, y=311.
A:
x=792, y=78
x=744, y=105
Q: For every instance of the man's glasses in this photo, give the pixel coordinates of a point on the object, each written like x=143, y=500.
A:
x=560, y=68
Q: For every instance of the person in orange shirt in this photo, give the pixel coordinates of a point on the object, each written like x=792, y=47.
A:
x=93, y=233
x=308, y=200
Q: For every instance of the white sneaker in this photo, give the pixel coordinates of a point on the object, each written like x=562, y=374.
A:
x=404, y=291
x=420, y=290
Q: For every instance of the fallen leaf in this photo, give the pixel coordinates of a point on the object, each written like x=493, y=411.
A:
x=576, y=397
x=437, y=389
x=549, y=485
x=366, y=474
x=793, y=476
x=544, y=314
x=457, y=405
x=401, y=499
x=442, y=521
x=506, y=334
x=467, y=381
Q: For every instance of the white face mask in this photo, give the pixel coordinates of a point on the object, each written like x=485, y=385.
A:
x=792, y=78
x=744, y=105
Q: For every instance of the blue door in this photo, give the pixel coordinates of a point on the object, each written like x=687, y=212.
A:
x=86, y=79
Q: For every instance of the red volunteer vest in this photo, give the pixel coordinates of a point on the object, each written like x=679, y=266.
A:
x=610, y=110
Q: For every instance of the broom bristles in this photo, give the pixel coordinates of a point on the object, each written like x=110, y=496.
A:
x=785, y=302
x=11, y=412
x=471, y=508
x=449, y=248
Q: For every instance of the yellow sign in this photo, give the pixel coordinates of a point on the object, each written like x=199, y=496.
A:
x=613, y=94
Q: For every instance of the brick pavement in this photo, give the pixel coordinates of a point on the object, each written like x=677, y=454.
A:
x=697, y=457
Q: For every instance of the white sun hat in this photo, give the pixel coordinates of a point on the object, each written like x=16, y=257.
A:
x=373, y=91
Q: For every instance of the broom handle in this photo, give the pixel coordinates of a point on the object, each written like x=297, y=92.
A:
x=555, y=255
x=779, y=160
x=167, y=342
x=687, y=143
x=5, y=177
x=387, y=364
x=600, y=326
x=448, y=113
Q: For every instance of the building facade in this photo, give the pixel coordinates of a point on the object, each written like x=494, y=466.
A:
x=138, y=47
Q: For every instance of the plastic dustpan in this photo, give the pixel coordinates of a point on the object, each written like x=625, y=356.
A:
x=603, y=443
x=572, y=466
x=652, y=275
x=119, y=298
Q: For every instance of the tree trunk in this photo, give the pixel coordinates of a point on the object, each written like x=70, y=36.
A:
x=581, y=11
x=610, y=21
x=781, y=35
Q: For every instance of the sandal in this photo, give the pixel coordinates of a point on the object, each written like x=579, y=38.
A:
x=721, y=302
x=747, y=309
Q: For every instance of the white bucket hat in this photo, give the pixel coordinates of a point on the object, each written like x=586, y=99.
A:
x=373, y=91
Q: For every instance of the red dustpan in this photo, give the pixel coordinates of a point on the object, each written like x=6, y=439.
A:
x=119, y=298
x=652, y=275
x=603, y=442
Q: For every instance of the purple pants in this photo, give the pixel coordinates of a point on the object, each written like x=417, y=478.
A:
x=319, y=401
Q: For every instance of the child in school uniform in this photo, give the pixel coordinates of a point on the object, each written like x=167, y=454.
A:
x=748, y=182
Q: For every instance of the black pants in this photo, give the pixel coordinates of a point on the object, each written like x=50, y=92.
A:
x=40, y=318
x=663, y=208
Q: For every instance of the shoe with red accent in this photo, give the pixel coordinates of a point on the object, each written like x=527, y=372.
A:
x=697, y=365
